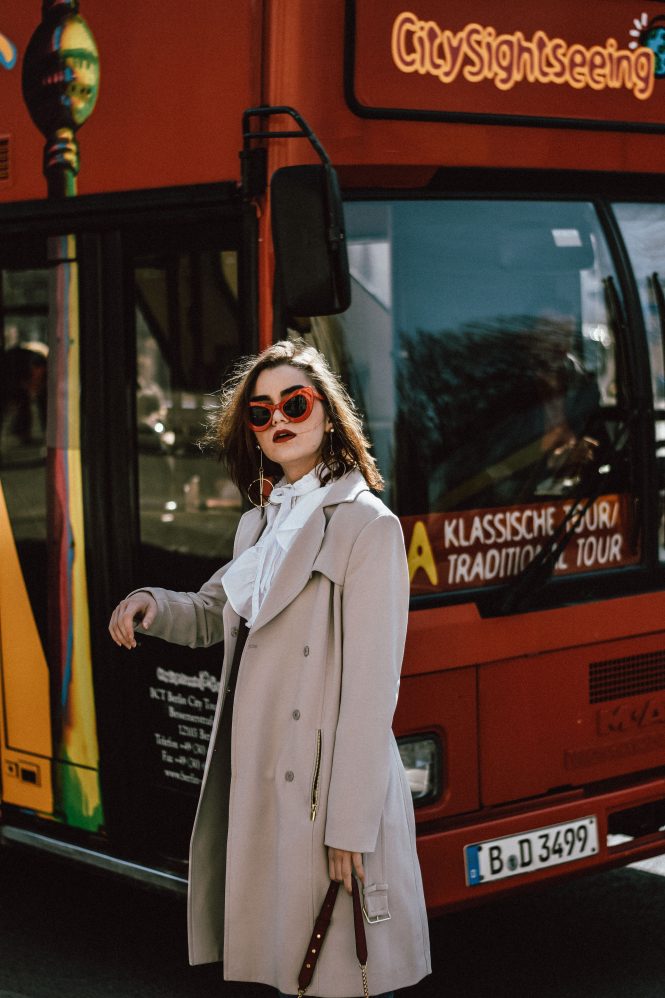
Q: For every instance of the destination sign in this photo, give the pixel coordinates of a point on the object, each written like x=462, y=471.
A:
x=481, y=547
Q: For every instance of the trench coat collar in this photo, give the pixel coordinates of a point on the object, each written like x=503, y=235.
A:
x=346, y=488
x=296, y=569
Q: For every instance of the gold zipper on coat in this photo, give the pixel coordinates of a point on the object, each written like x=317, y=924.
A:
x=315, y=779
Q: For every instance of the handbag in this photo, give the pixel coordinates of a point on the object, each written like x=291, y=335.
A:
x=318, y=935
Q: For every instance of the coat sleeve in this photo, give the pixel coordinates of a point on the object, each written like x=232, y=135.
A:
x=193, y=619
x=375, y=605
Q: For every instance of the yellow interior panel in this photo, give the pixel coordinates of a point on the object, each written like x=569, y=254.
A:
x=25, y=717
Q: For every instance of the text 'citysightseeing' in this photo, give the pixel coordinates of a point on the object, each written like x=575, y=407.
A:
x=478, y=53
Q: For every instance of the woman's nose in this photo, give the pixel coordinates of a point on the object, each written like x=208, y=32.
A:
x=279, y=417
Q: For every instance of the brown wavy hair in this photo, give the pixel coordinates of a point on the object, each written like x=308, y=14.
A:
x=343, y=450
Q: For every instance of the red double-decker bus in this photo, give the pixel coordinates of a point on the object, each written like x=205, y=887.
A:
x=501, y=172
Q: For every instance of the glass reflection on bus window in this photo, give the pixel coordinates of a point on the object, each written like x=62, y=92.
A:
x=24, y=365
x=186, y=337
x=481, y=345
x=643, y=230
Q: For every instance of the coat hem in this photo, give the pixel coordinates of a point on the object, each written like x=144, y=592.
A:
x=377, y=984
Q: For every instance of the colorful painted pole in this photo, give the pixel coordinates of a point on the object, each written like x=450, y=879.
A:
x=60, y=85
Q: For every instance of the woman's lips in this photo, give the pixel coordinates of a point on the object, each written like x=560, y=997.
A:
x=281, y=436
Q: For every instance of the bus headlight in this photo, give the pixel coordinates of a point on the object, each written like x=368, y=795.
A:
x=421, y=758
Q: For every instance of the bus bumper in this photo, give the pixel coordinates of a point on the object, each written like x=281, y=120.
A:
x=629, y=826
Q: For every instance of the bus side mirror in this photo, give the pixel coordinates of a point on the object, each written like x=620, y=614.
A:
x=310, y=244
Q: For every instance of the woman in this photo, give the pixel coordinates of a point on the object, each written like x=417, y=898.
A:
x=306, y=784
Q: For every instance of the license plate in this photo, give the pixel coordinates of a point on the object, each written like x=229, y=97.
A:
x=513, y=855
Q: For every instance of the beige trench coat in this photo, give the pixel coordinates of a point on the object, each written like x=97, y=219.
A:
x=312, y=715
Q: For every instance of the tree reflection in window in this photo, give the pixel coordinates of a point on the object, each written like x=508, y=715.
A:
x=495, y=414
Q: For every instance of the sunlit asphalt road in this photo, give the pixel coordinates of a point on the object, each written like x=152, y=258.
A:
x=69, y=933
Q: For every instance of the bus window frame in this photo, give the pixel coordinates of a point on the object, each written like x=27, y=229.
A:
x=600, y=191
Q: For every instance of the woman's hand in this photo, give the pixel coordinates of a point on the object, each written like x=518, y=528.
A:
x=140, y=606
x=342, y=864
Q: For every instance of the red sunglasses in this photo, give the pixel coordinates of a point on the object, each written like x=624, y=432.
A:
x=297, y=407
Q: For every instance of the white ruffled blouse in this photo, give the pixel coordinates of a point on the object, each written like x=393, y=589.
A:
x=248, y=580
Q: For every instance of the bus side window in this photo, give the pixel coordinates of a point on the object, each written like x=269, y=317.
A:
x=643, y=230
x=187, y=336
x=483, y=347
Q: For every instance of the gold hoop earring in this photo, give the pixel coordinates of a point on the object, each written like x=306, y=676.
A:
x=261, y=482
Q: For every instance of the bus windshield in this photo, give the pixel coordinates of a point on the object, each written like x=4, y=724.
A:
x=482, y=345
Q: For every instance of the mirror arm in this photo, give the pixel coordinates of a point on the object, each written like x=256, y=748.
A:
x=253, y=157
x=316, y=282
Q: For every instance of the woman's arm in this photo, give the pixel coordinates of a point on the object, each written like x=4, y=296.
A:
x=375, y=603
x=193, y=619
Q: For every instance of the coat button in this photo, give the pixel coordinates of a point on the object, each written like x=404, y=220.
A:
x=305, y=651
x=288, y=776
x=296, y=715
x=234, y=632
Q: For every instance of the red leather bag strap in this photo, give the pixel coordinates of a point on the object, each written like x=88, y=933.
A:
x=359, y=925
x=318, y=935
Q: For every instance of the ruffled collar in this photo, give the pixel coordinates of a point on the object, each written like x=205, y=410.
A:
x=248, y=579
x=290, y=506
x=287, y=490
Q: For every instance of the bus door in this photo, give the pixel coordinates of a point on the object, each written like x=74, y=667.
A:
x=187, y=333
x=159, y=296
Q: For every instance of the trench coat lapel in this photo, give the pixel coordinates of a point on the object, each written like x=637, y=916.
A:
x=249, y=531
x=295, y=571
